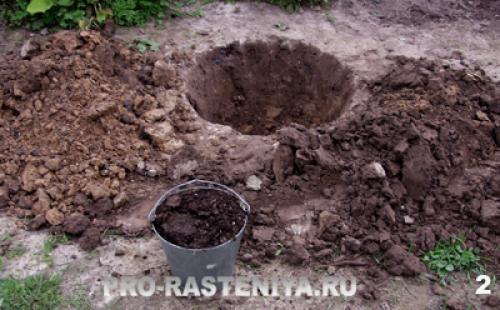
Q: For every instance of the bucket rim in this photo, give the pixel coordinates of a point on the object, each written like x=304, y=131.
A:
x=208, y=185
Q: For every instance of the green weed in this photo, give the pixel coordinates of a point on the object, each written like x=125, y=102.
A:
x=447, y=257
x=143, y=45
x=37, y=14
x=49, y=245
x=15, y=251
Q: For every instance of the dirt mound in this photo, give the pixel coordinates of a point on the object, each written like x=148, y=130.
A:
x=198, y=219
x=259, y=87
x=417, y=165
x=81, y=117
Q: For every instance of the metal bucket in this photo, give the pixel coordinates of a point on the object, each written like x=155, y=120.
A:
x=216, y=261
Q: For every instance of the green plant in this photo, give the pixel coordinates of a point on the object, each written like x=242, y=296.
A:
x=15, y=251
x=38, y=292
x=49, y=245
x=447, y=257
x=143, y=45
x=37, y=14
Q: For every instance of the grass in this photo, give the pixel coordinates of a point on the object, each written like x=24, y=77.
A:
x=447, y=257
x=38, y=292
x=49, y=245
x=15, y=251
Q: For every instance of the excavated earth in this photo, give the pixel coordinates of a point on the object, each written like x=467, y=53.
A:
x=87, y=126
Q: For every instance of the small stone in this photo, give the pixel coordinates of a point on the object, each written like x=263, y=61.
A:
x=53, y=164
x=331, y=270
x=253, y=183
x=480, y=115
x=4, y=197
x=98, y=191
x=408, y=219
x=141, y=165
x=27, y=49
x=374, y=170
x=54, y=217
x=120, y=200
x=246, y=258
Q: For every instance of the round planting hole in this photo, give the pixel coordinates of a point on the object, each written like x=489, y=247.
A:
x=259, y=87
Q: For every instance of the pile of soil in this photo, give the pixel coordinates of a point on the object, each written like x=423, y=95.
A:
x=420, y=163
x=198, y=219
x=81, y=118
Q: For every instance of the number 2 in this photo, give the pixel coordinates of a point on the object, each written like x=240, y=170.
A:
x=482, y=290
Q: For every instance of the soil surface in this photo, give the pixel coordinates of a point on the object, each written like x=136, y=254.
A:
x=421, y=151
x=418, y=164
x=198, y=219
x=259, y=87
x=93, y=132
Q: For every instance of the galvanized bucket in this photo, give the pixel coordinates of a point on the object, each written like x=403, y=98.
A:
x=216, y=261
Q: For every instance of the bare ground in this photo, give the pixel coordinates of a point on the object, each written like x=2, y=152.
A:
x=357, y=36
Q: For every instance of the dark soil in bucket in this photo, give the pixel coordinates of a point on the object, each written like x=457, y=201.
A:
x=199, y=218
